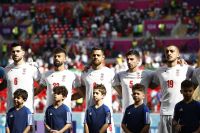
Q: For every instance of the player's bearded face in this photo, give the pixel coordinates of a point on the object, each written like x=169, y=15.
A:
x=132, y=61
x=59, y=59
x=97, y=57
x=171, y=53
x=17, y=53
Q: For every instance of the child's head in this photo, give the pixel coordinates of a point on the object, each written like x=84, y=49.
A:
x=187, y=89
x=60, y=93
x=138, y=91
x=20, y=96
x=99, y=91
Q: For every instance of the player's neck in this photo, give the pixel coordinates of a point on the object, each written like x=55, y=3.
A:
x=98, y=103
x=19, y=107
x=57, y=104
x=136, y=104
x=97, y=67
x=133, y=70
x=19, y=62
x=188, y=100
x=60, y=68
x=172, y=64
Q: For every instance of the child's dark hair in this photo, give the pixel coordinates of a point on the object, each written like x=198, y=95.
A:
x=60, y=90
x=187, y=84
x=138, y=87
x=21, y=93
x=101, y=88
x=133, y=52
x=16, y=44
x=59, y=50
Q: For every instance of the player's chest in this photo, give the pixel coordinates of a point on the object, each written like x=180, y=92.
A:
x=132, y=79
x=175, y=74
x=103, y=77
x=23, y=73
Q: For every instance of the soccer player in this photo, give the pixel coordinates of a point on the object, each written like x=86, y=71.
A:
x=97, y=74
x=97, y=116
x=136, y=117
x=60, y=76
x=170, y=77
x=21, y=74
x=186, y=113
x=58, y=117
x=19, y=118
x=126, y=79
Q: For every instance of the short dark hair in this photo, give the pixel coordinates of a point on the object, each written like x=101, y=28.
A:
x=21, y=93
x=133, y=52
x=101, y=88
x=59, y=50
x=60, y=90
x=187, y=84
x=138, y=87
x=98, y=48
x=16, y=44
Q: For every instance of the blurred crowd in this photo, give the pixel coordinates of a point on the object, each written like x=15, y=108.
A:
x=78, y=26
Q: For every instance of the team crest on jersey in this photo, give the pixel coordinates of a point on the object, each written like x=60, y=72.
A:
x=24, y=71
x=11, y=116
x=177, y=72
x=63, y=78
x=181, y=109
x=90, y=113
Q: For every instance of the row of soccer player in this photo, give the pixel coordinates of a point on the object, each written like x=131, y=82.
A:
x=21, y=75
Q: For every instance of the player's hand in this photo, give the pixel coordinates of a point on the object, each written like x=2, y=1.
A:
x=181, y=61
x=55, y=131
x=178, y=127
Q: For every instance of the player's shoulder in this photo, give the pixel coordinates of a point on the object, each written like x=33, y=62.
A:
x=128, y=108
x=106, y=108
x=27, y=110
x=122, y=73
x=9, y=67
x=11, y=110
x=47, y=73
x=65, y=107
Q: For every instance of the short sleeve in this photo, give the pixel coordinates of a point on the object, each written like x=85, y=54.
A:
x=176, y=114
x=36, y=74
x=146, y=115
x=108, y=117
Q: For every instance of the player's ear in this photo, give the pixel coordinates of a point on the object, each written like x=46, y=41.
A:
x=181, y=91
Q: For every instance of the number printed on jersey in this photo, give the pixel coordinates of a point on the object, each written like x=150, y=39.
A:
x=15, y=81
x=55, y=84
x=131, y=84
x=170, y=83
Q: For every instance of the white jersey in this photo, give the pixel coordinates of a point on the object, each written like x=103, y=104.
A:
x=59, y=78
x=127, y=79
x=21, y=77
x=103, y=76
x=170, y=79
